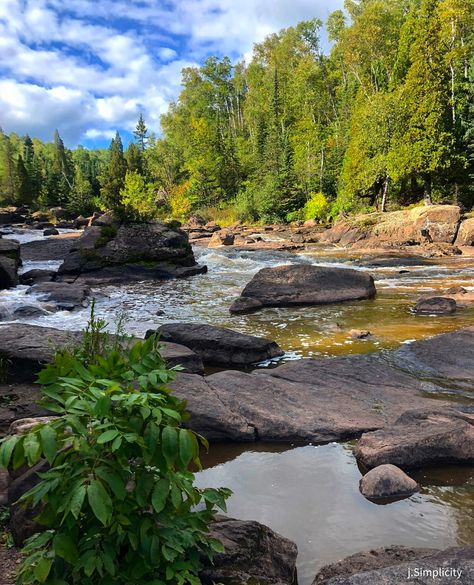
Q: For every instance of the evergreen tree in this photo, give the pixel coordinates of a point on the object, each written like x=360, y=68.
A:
x=24, y=194
x=134, y=158
x=140, y=133
x=114, y=175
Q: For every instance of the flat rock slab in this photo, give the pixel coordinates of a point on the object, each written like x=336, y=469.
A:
x=419, y=438
x=320, y=400
x=28, y=347
x=219, y=346
x=306, y=284
x=55, y=248
x=253, y=554
x=459, y=559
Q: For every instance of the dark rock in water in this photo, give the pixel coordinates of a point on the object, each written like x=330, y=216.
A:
x=305, y=284
x=29, y=311
x=8, y=272
x=387, y=481
x=51, y=232
x=81, y=221
x=11, y=215
x=217, y=345
x=243, y=305
x=419, y=438
x=447, y=567
x=37, y=275
x=371, y=560
x=28, y=347
x=323, y=400
x=120, y=251
x=67, y=297
x=10, y=249
x=51, y=249
x=253, y=554
x=435, y=306
x=391, y=261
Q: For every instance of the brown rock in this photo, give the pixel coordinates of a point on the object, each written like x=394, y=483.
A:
x=435, y=306
x=221, y=238
x=387, y=481
x=465, y=235
x=419, y=438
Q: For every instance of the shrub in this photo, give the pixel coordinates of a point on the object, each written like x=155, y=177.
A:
x=118, y=502
x=317, y=207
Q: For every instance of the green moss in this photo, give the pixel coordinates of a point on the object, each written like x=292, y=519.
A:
x=107, y=233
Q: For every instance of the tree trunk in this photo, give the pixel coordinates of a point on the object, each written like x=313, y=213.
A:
x=427, y=190
x=384, y=195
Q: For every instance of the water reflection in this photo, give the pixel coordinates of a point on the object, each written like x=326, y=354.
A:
x=310, y=495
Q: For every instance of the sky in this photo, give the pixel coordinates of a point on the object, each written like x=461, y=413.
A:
x=90, y=67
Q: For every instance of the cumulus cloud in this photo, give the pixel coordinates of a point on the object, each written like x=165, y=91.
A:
x=89, y=67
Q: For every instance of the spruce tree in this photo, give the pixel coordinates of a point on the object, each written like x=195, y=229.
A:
x=140, y=133
x=114, y=176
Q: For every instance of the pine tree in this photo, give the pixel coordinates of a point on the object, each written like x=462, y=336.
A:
x=24, y=194
x=140, y=133
x=114, y=176
x=134, y=158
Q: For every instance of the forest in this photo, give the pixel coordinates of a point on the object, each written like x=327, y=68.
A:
x=385, y=119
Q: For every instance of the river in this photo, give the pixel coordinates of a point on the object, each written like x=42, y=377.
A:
x=307, y=493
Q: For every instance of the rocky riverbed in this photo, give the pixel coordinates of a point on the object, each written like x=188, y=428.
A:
x=395, y=381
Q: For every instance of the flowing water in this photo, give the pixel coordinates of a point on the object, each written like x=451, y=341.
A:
x=309, y=494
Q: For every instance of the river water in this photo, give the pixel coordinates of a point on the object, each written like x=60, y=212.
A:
x=309, y=494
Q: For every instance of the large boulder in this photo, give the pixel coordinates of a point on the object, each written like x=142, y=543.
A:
x=152, y=248
x=447, y=567
x=419, y=438
x=322, y=400
x=253, y=554
x=28, y=347
x=219, y=346
x=387, y=481
x=54, y=248
x=304, y=284
x=435, y=306
x=8, y=272
x=10, y=249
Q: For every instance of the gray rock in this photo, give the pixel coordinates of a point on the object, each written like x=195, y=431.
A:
x=28, y=347
x=29, y=311
x=387, y=481
x=419, y=438
x=50, y=249
x=370, y=560
x=253, y=554
x=243, y=305
x=37, y=275
x=67, y=297
x=18, y=401
x=435, y=306
x=453, y=562
x=10, y=249
x=305, y=284
x=217, y=345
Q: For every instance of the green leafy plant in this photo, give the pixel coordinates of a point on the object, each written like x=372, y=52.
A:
x=118, y=503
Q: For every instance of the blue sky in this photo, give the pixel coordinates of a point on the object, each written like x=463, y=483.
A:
x=89, y=67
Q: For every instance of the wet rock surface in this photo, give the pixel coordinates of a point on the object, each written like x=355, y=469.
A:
x=292, y=285
x=219, y=346
x=253, y=554
x=67, y=297
x=419, y=438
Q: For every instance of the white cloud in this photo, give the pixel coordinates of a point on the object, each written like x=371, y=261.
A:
x=89, y=66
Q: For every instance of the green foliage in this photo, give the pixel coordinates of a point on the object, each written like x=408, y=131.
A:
x=137, y=198
x=118, y=502
x=317, y=207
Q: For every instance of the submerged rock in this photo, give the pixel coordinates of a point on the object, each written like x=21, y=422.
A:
x=253, y=554
x=217, y=345
x=387, y=481
x=305, y=284
x=419, y=438
x=153, y=250
x=435, y=306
